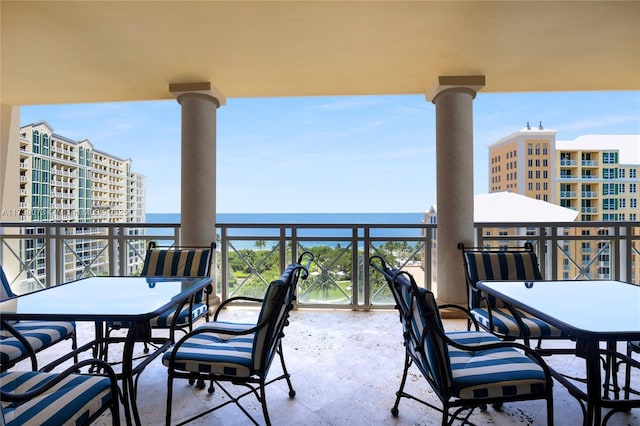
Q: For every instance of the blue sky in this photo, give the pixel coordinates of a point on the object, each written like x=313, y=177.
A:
x=325, y=154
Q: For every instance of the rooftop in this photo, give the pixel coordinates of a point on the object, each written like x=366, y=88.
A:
x=506, y=206
x=628, y=146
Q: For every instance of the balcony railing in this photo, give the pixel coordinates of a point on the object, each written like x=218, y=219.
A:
x=248, y=255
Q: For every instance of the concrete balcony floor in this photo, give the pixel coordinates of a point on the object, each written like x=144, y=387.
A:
x=345, y=367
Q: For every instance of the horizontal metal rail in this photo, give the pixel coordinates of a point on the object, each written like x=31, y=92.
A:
x=37, y=255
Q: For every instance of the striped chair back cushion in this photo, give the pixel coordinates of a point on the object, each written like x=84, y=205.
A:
x=274, y=309
x=419, y=307
x=176, y=263
x=5, y=288
x=5, y=292
x=501, y=266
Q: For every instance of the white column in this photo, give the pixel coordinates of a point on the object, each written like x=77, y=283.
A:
x=9, y=161
x=453, y=97
x=10, y=184
x=199, y=103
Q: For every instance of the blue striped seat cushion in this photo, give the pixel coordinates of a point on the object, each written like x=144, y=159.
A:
x=231, y=326
x=164, y=320
x=39, y=334
x=504, y=323
x=492, y=373
x=209, y=353
x=72, y=401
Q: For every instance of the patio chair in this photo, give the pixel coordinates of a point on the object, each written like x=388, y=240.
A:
x=465, y=369
x=67, y=397
x=494, y=316
x=21, y=340
x=177, y=261
x=238, y=354
x=632, y=347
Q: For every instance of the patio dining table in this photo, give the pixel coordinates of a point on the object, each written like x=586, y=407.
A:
x=591, y=312
x=135, y=300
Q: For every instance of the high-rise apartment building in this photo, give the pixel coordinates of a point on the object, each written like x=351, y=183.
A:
x=523, y=162
x=596, y=175
x=62, y=180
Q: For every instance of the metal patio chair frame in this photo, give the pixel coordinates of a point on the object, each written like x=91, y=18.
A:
x=268, y=332
x=46, y=394
x=22, y=331
x=163, y=269
x=508, y=264
x=434, y=363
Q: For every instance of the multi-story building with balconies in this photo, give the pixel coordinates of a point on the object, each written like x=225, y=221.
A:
x=62, y=180
x=595, y=175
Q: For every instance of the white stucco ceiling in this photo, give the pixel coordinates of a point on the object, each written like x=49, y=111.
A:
x=85, y=51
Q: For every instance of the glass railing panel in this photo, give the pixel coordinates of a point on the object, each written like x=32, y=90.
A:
x=249, y=257
x=251, y=266
x=330, y=276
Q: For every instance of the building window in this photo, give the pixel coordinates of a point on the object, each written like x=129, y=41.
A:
x=632, y=173
x=632, y=188
x=633, y=217
x=530, y=149
x=608, y=204
x=609, y=158
x=623, y=203
x=633, y=203
x=621, y=187
x=621, y=173
x=608, y=189
x=537, y=149
x=621, y=216
x=608, y=173
x=530, y=163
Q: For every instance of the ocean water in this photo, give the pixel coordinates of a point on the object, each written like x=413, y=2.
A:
x=310, y=218
x=300, y=218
